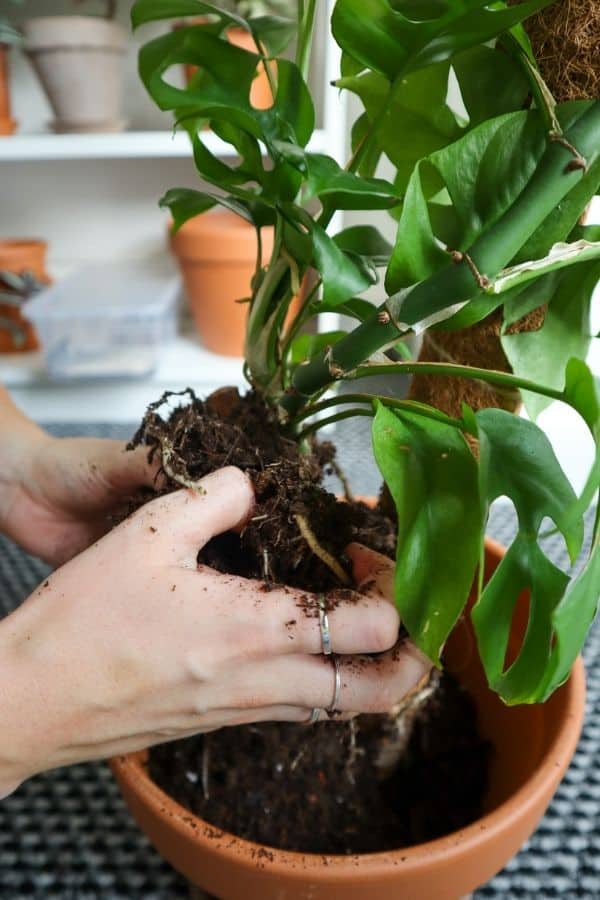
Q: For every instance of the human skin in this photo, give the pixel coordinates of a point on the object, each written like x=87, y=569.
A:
x=131, y=643
x=56, y=494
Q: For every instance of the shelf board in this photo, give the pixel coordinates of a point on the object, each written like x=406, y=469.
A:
x=183, y=360
x=121, y=145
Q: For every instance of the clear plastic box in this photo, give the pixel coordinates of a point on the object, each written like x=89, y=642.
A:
x=105, y=321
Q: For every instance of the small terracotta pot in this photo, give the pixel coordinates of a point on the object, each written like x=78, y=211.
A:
x=216, y=252
x=7, y=124
x=261, y=95
x=79, y=61
x=20, y=256
x=533, y=746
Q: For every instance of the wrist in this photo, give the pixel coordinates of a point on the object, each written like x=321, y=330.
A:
x=24, y=711
x=13, y=768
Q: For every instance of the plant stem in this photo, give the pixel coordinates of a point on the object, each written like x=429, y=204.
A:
x=306, y=28
x=344, y=414
x=454, y=284
x=492, y=376
x=407, y=405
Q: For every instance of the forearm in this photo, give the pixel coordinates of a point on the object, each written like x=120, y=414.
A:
x=19, y=439
x=18, y=715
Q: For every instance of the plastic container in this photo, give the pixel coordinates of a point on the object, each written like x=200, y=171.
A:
x=105, y=321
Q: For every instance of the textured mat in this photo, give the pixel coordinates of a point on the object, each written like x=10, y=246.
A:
x=68, y=834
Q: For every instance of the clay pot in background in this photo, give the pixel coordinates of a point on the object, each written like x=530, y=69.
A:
x=79, y=61
x=533, y=746
x=216, y=252
x=7, y=124
x=261, y=96
x=21, y=256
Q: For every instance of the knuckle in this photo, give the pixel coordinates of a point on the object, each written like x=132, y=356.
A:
x=199, y=667
x=383, y=628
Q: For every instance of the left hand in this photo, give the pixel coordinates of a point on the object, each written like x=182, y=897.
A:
x=56, y=494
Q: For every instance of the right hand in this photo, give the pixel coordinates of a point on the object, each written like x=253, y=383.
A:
x=131, y=643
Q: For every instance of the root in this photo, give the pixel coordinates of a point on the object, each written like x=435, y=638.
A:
x=325, y=557
x=348, y=495
x=402, y=720
x=206, y=767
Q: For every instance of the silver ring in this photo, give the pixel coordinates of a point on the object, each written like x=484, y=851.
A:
x=324, y=626
x=314, y=716
x=337, y=686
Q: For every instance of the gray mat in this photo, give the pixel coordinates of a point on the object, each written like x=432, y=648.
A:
x=68, y=835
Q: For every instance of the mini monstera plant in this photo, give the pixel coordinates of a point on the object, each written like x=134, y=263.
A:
x=490, y=181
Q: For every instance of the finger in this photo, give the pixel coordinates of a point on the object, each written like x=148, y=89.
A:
x=220, y=718
x=372, y=569
x=118, y=470
x=254, y=621
x=368, y=684
x=188, y=519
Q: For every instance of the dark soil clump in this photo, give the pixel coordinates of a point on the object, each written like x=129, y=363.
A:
x=312, y=789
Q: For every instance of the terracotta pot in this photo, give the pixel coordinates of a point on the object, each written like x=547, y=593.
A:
x=7, y=124
x=261, y=95
x=20, y=256
x=217, y=255
x=532, y=749
x=79, y=61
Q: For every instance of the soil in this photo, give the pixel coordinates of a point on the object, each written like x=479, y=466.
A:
x=316, y=789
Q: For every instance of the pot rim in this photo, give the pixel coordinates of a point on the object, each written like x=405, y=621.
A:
x=51, y=33
x=231, y=848
x=22, y=242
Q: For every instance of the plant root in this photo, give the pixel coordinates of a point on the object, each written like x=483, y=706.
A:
x=402, y=720
x=318, y=550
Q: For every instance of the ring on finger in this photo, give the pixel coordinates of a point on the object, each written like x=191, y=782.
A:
x=314, y=716
x=324, y=626
x=337, y=688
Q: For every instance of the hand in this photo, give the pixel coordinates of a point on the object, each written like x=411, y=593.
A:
x=56, y=494
x=131, y=643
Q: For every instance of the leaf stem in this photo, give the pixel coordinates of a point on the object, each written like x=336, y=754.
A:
x=412, y=406
x=492, y=376
x=306, y=29
x=343, y=414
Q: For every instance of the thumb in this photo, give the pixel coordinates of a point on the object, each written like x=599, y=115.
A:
x=188, y=519
x=368, y=566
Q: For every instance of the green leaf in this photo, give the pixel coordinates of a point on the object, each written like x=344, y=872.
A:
x=543, y=355
x=416, y=120
x=185, y=204
x=483, y=173
x=326, y=180
x=582, y=392
x=275, y=32
x=395, y=37
x=490, y=83
x=517, y=461
x=417, y=253
x=571, y=620
x=521, y=464
x=564, y=217
x=432, y=477
x=144, y=11
x=342, y=276
x=523, y=566
x=364, y=240
x=306, y=345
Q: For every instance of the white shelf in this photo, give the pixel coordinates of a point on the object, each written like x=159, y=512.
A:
x=184, y=363
x=122, y=145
